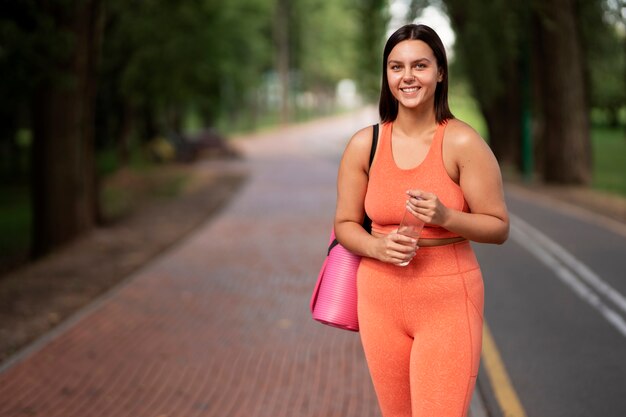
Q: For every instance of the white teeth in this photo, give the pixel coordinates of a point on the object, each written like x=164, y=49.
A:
x=409, y=90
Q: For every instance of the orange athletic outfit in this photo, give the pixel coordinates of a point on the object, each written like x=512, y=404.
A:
x=421, y=324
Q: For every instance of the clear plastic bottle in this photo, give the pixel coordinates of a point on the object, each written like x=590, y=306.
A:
x=410, y=226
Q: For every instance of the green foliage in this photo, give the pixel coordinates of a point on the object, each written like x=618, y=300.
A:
x=171, y=55
x=326, y=53
x=30, y=45
x=606, y=59
x=15, y=221
x=163, y=60
x=372, y=18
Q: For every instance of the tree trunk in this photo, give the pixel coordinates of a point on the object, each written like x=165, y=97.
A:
x=503, y=115
x=281, y=33
x=374, y=17
x=565, y=143
x=64, y=176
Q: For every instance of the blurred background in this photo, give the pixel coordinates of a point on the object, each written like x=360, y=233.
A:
x=98, y=96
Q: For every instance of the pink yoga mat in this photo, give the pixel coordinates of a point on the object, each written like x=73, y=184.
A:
x=334, y=300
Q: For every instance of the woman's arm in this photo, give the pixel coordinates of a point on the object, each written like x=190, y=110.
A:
x=351, y=188
x=478, y=175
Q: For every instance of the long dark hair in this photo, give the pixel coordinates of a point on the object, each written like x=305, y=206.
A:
x=388, y=106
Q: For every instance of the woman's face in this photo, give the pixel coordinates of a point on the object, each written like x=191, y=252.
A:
x=413, y=74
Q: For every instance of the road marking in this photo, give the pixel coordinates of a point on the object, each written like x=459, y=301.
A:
x=581, y=213
x=571, y=272
x=499, y=379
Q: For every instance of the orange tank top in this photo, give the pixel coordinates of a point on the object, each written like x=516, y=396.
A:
x=387, y=186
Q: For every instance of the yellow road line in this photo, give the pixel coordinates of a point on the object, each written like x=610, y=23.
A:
x=499, y=379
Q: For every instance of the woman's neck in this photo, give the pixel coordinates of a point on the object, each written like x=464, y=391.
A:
x=412, y=121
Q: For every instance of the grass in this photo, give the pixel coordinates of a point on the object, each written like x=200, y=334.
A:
x=609, y=159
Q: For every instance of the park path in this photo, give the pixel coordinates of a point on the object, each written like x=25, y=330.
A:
x=219, y=325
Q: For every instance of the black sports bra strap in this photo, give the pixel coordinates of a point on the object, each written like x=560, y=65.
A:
x=374, y=143
x=367, y=222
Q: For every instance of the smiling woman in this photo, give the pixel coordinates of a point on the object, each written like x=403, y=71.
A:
x=413, y=74
x=420, y=311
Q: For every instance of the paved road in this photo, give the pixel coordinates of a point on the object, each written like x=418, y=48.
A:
x=219, y=325
x=555, y=305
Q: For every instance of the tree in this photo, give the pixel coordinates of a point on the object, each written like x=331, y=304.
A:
x=604, y=30
x=500, y=44
x=562, y=99
x=283, y=29
x=372, y=17
x=325, y=51
x=64, y=187
x=490, y=45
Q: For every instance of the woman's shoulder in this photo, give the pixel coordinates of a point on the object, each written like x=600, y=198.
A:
x=460, y=134
x=364, y=135
x=358, y=149
x=361, y=140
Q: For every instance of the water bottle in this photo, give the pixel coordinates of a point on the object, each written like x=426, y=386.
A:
x=410, y=226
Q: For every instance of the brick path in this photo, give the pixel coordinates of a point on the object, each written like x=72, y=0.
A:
x=219, y=325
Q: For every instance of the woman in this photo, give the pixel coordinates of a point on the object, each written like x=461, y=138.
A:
x=420, y=324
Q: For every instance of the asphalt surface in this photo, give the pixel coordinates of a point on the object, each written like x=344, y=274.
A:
x=555, y=305
x=219, y=325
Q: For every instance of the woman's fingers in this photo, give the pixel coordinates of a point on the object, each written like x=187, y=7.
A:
x=404, y=240
x=398, y=248
x=426, y=207
x=403, y=249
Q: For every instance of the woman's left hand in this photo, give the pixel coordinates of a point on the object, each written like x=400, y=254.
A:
x=427, y=207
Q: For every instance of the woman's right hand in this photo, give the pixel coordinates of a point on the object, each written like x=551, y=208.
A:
x=395, y=248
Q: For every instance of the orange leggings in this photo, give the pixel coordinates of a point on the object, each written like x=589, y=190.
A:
x=421, y=328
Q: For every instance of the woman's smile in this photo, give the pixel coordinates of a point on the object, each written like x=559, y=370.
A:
x=409, y=90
